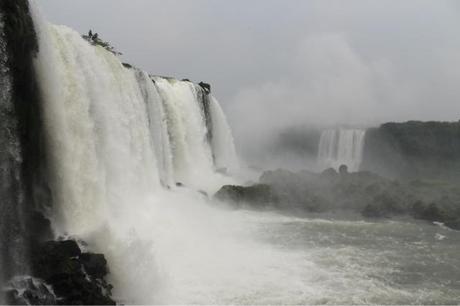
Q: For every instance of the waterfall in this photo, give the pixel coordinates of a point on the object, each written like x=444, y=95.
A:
x=192, y=156
x=119, y=141
x=222, y=139
x=104, y=147
x=341, y=147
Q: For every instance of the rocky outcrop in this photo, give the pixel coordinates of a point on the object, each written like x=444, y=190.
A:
x=23, y=189
x=205, y=86
x=363, y=193
x=64, y=275
x=258, y=195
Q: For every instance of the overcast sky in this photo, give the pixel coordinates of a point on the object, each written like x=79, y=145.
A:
x=276, y=63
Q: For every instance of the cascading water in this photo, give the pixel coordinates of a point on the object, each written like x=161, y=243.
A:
x=192, y=156
x=341, y=147
x=119, y=140
x=222, y=139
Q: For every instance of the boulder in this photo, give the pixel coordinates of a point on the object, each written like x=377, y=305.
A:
x=260, y=194
x=75, y=277
x=343, y=169
x=94, y=264
x=29, y=291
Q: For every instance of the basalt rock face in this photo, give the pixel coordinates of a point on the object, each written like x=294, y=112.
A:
x=363, y=193
x=33, y=271
x=73, y=277
x=413, y=150
x=23, y=188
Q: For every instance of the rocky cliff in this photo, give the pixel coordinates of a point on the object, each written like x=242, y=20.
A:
x=414, y=149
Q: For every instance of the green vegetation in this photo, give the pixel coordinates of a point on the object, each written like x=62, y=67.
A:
x=414, y=149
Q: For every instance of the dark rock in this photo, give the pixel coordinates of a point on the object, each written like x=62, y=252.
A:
x=383, y=206
x=126, y=65
x=185, y=80
x=94, y=264
x=179, y=184
x=343, y=169
x=61, y=249
x=76, y=277
x=427, y=212
x=362, y=192
x=255, y=194
x=329, y=172
x=22, y=153
x=414, y=149
x=29, y=291
x=205, y=86
x=40, y=227
x=453, y=224
x=373, y=211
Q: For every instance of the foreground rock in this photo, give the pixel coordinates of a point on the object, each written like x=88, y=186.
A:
x=362, y=192
x=64, y=275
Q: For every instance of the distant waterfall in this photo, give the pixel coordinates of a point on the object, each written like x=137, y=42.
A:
x=341, y=147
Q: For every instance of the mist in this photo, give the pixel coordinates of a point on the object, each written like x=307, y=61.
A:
x=319, y=163
x=276, y=65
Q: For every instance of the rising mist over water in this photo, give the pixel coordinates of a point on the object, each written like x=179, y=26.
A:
x=278, y=182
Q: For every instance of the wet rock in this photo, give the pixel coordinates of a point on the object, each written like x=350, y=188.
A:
x=329, y=173
x=40, y=227
x=454, y=223
x=343, y=169
x=75, y=277
x=255, y=194
x=362, y=192
x=205, y=86
x=94, y=264
x=414, y=150
x=429, y=212
x=384, y=205
x=29, y=291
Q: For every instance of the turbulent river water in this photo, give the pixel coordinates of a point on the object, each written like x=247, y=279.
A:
x=343, y=262
x=209, y=255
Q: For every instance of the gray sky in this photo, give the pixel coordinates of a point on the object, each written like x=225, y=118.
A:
x=276, y=63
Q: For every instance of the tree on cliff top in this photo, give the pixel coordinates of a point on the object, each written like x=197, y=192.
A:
x=96, y=41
